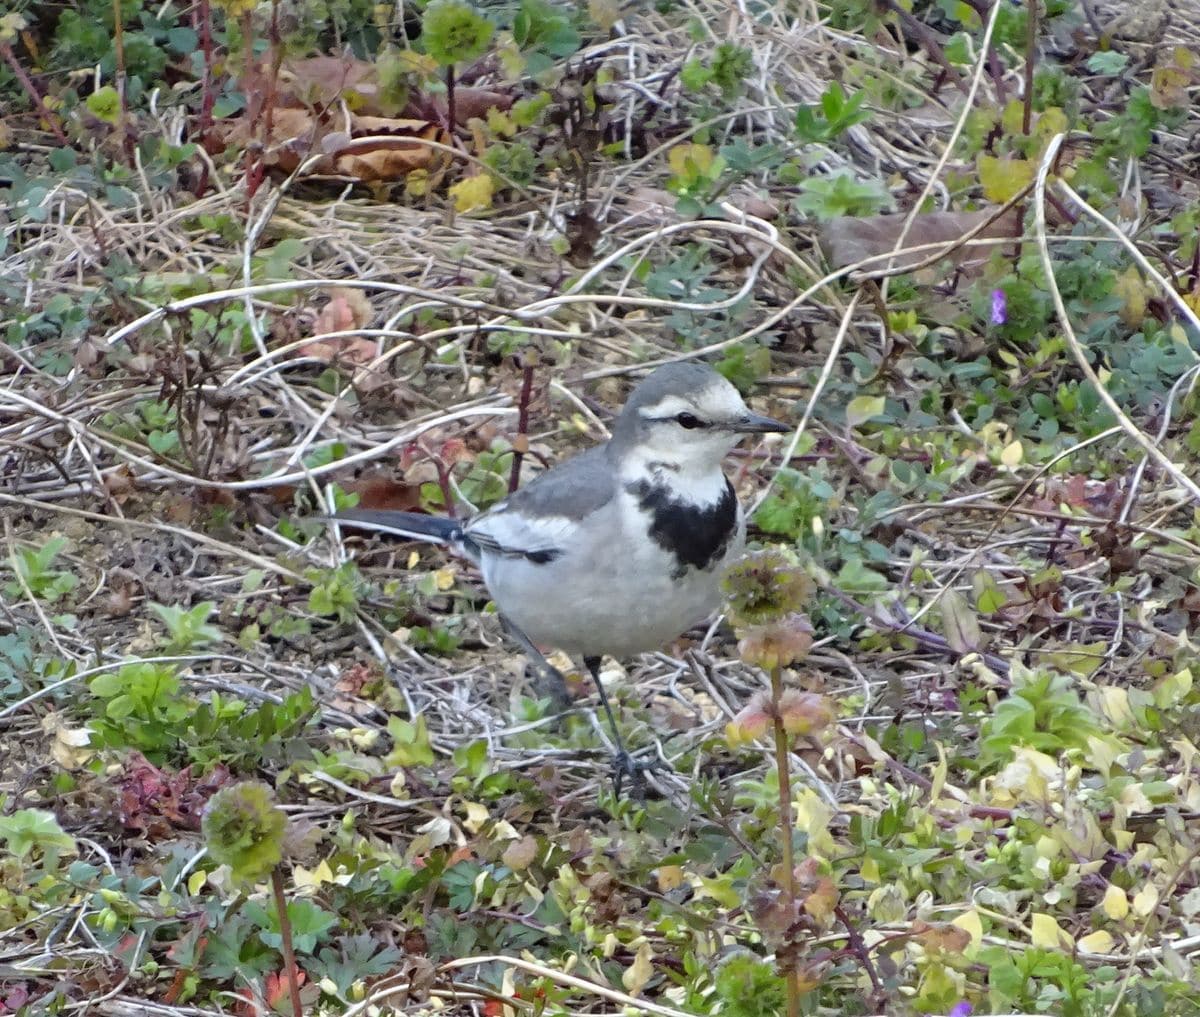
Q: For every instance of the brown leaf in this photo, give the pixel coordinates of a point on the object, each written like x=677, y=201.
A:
x=520, y=854
x=379, y=491
x=851, y=239
x=960, y=624
x=315, y=82
x=941, y=937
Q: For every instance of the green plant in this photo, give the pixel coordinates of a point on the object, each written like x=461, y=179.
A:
x=1042, y=712
x=29, y=833
x=727, y=67
x=764, y=595
x=334, y=591
x=544, y=33
x=834, y=115
x=187, y=628
x=226, y=731
x=244, y=828
x=841, y=194
x=38, y=575
x=139, y=706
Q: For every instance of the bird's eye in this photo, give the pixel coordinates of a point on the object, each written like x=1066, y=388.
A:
x=689, y=420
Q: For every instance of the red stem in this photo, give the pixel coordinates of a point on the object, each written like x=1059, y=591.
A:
x=34, y=95
x=784, y=769
x=285, y=933
x=522, y=427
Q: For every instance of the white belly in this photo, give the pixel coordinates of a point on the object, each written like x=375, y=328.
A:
x=614, y=596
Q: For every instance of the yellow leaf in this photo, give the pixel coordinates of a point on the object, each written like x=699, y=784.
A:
x=1012, y=454
x=473, y=193
x=1133, y=292
x=1114, y=704
x=1101, y=754
x=960, y=625
x=1098, y=942
x=1045, y=933
x=1026, y=779
x=500, y=124
x=869, y=870
x=1116, y=904
x=635, y=977
x=477, y=815
x=721, y=890
x=444, y=578
x=70, y=746
x=196, y=881
x=520, y=854
x=604, y=13
x=413, y=558
x=1012, y=119
x=669, y=877
x=416, y=183
x=1001, y=179
x=862, y=408
x=693, y=158
x=1051, y=121
x=303, y=878
x=969, y=922
x=1145, y=901
x=1173, y=690
x=939, y=776
x=813, y=816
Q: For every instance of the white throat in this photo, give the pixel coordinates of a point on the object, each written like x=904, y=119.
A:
x=696, y=481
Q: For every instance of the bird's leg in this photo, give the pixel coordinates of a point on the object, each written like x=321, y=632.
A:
x=551, y=680
x=624, y=765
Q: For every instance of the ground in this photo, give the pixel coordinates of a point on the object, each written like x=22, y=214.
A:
x=414, y=262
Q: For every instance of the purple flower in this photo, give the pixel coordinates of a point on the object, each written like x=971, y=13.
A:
x=963, y=1009
x=999, y=317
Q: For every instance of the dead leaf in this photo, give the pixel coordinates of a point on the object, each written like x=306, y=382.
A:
x=960, y=624
x=851, y=239
x=635, y=977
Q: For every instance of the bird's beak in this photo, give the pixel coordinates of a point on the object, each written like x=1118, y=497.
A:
x=752, y=423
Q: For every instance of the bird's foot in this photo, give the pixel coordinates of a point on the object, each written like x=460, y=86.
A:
x=626, y=768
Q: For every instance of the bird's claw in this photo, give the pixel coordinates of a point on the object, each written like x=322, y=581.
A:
x=625, y=767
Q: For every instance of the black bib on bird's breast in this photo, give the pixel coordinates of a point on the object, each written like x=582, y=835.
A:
x=696, y=535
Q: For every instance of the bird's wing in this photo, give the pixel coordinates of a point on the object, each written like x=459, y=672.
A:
x=538, y=521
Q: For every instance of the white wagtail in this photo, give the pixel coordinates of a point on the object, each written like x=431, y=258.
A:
x=621, y=548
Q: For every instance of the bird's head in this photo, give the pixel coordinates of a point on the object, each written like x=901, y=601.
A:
x=686, y=417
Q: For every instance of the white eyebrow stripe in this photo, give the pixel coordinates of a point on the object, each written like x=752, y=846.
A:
x=668, y=406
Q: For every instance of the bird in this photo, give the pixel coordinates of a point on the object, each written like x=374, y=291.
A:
x=621, y=548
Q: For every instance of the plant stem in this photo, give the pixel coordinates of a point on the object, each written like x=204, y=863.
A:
x=783, y=768
x=514, y=477
x=122, y=108
x=285, y=933
x=1031, y=26
x=450, y=111
x=35, y=96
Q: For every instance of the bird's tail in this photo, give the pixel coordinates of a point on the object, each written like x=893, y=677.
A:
x=413, y=525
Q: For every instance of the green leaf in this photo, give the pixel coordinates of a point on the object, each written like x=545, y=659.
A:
x=243, y=828
x=410, y=743
x=454, y=32
x=29, y=829
x=105, y=104
x=694, y=75
x=183, y=40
